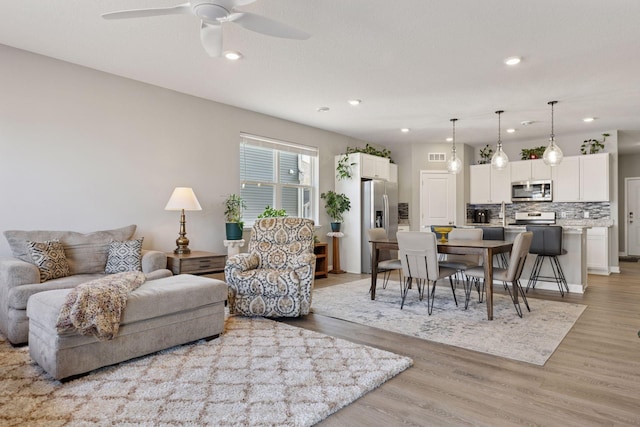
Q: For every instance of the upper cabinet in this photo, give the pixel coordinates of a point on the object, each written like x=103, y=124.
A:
x=530, y=170
x=373, y=167
x=582, y=179
x=393, y=173
x=489, y=185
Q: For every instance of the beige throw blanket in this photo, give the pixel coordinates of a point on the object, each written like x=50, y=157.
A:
x=96, y=307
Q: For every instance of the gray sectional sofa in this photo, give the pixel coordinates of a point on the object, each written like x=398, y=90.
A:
x=86, y=254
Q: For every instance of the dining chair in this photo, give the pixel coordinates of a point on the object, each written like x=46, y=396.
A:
x=419, y=258
x=512, y=274
x=496, y=233
x=386, y=263
x=461, y=262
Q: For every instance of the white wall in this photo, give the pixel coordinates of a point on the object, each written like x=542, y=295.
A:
x=85, y=150
x=629, y=168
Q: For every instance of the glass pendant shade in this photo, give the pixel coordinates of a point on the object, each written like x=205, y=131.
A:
x=553, y=154
x=500, y=160
x=454, y=165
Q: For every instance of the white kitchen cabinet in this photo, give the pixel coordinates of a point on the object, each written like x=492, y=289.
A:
x=582, y=179
x=488, y=185
x=566, y=180
x=598, y=250
x=530, y=170
x=594, y=178
x=393, y=173
x=373, y=167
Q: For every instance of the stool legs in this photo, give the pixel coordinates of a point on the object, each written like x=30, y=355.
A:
x=558, y=274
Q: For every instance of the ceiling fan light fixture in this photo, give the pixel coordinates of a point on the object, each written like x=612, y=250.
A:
x=454, y=165
x=552, y=154
x=500, y=160
x=233, y=55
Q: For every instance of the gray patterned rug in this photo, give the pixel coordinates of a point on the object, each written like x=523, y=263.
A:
x=259, y=373
x=532, y=339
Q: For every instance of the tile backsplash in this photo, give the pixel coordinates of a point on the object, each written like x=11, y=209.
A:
x=575, y=210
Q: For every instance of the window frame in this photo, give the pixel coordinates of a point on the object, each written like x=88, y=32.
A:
x=277, y=146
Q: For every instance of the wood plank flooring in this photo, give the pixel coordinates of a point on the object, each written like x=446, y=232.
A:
x=593, y=378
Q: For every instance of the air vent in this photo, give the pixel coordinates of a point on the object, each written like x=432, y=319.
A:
x=437, y=157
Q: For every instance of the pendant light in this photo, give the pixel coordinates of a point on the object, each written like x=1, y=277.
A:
x=454, y=165
x=553, y=154
x=499, y=160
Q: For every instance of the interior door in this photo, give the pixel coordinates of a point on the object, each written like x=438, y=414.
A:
x=437, y=199
x=633, y=215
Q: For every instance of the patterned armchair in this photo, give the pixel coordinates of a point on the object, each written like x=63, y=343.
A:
x=275, y=277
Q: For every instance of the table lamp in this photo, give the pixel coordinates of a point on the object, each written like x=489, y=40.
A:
x=183, y=199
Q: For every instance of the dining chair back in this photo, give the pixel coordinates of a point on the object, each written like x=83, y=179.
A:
x=519, y=252
x=462, y=262
x=418, y=253
x=386, y=262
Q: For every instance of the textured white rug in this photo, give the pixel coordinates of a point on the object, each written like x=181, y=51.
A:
x=531, y=339
x=259, y=373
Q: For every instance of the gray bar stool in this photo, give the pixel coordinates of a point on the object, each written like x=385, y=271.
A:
x=547, y=243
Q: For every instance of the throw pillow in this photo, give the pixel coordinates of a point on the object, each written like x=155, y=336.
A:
x=50, y=258
x=124, y=256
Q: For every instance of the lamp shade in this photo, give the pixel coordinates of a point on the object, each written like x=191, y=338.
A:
x=183, y=198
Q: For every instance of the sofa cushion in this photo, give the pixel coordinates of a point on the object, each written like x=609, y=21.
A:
x=124, y=256
x=86, y=253
x=19, y=295
x=50, y=259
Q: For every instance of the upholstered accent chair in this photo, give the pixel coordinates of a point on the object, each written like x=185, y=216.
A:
x=275, y=277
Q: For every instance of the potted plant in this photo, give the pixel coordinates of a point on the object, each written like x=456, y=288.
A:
x=336, y=204
x=593, y=146
x=270, y=212
x=485, y=155
x=233, y=206
x=532, y=153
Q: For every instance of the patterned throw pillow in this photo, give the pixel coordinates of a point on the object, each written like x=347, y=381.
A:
x=124, y=256
x=50, y=258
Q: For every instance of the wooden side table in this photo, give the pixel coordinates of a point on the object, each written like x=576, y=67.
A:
x=335, y=236
x=321, y=250
x=197, y=262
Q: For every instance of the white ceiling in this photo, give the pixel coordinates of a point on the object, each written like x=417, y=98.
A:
x=414, y=63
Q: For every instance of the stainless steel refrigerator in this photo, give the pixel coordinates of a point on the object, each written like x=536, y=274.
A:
x=379, y=209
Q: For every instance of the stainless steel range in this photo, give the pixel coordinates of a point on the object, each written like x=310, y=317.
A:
x=535, y=218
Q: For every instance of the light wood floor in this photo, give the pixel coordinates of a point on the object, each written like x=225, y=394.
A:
x=593, y=378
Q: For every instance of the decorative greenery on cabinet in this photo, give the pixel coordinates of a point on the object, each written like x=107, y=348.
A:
x=593, y=146
x=485, y=155
x=344, y=171
x=532, y=153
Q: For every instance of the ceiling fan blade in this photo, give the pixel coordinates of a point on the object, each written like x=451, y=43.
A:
x=211, y=37
x=269, y=27
x=144, y=13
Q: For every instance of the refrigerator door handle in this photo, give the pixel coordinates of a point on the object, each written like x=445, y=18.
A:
x=385, y=200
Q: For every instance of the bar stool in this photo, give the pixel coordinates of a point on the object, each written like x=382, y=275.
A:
x=547, y=243
x=496, y=233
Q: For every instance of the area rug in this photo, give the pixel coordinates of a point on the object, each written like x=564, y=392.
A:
x=258, y=373
x=531, y=339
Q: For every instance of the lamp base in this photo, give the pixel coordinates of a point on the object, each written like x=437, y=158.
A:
x=182, y=242
x=182, y=251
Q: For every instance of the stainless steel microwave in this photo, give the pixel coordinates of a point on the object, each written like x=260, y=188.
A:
x=532, y=191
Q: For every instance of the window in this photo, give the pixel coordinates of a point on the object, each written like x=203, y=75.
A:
x=279, y=174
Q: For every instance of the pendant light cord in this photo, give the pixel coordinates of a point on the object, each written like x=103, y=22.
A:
x=453, y=148
x=499, y=112
x=553, y=136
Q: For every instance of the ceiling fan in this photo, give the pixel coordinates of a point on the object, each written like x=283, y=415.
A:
x=213, y=13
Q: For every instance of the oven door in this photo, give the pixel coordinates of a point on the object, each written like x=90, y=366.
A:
x=531, y=191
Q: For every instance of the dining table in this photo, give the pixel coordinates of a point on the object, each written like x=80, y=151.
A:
x=486, y=248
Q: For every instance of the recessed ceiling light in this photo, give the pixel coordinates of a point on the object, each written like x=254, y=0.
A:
x=511, y=130
x=449, y=139
x=588, y=119
x=323, y=109
x=526, y=122
x=232, y=55
x=405, y=130
x=355, y=101
x=513, y=60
